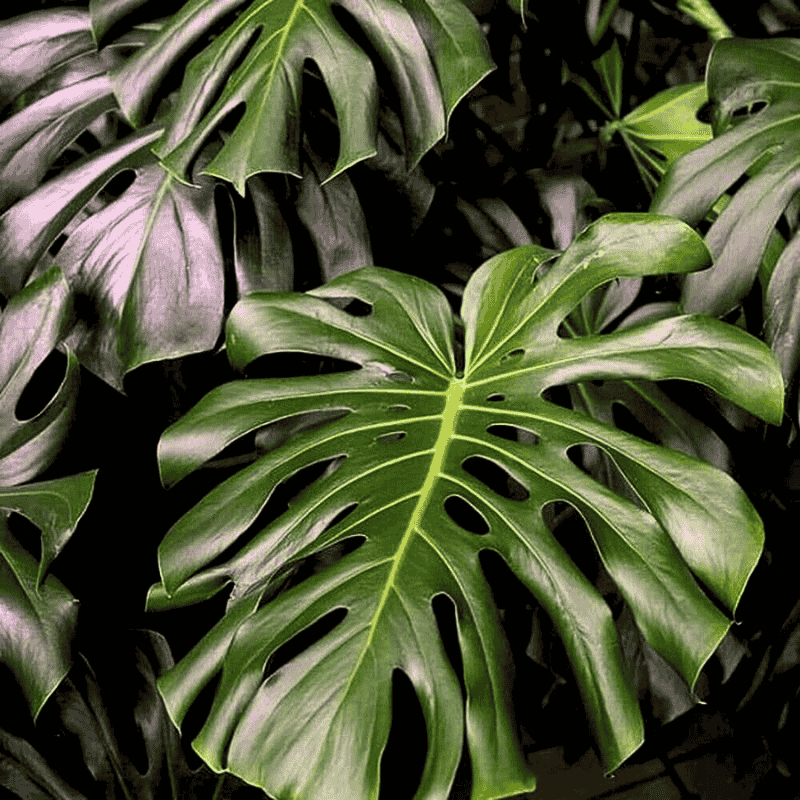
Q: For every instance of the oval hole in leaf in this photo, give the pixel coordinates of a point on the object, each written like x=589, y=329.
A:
x=391, y=437
x=496, y=478
x=115, y=188
x=196, y=717
x=571, y=531
x=277, y=433
x=301, y=641
x=26, y=533
x=495, y=398
x=60, y=241
x=464, y=514
x=514, y=355
x=445, y=612
x=626, y=421
x=285, y=492
x=558, y=395
x=295, y=364
x=294, y=573
x=706, y=112
x=399, y=408
x=514, y=434
x=403, y=759
x=42, y=387
x=400, y=377
x=350, y=305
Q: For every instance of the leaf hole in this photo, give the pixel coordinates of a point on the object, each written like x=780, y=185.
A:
x=294, y=573
x=514, y=355
x=558, y=395
x=196, y=717
x=399, y=408
x=403, y=760
x=750, y=109
x=626, y=421
x=350, y=305
x=281, y=431
x=341, y=517
x=514, y=434
x=400, y=377
x=495, y=398
x=303, y=640
x=287, y=491
x=43, y=386
x=496, y=478
x=569, y=528
x=464, y=514
x=391, y=437
x=117, y=186
x=26, y=533
x=296, y=364
x=87, y=310
x=60, y=241
x=444, y=610
x=705, y=113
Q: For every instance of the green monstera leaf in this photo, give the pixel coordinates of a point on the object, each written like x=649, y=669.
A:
x=433, y=51
x=755, y=88
x=421, y=475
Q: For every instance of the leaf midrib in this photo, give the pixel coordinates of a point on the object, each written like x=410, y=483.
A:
x=453, y=405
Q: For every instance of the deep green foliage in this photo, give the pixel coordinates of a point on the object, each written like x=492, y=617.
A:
x=188, y=197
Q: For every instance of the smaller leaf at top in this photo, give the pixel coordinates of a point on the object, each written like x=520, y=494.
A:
x=433, y=51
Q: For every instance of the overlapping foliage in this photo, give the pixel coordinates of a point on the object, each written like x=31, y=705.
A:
x=137, y=209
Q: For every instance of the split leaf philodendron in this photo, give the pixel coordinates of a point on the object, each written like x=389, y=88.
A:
x=411, y=438
x=433, y=51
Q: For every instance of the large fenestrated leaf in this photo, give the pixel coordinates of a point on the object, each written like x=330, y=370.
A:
x=402, y=435
x=432, y=50
x=755, y=87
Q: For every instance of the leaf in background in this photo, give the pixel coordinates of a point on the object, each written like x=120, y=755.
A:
x=609, y=68
x=263, y=253
x=433, y=50
x=755, y=87
x=33, y=44
x=45, y=120
x=37, y=613
x=32, y=324
x=419, y=465
x=662, y=129
x=55, y=507
x=115, y=722
x=331, y=213
x=148, y=266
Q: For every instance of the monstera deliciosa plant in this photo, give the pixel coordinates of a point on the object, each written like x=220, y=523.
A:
x=433, y=456
x=210, y=185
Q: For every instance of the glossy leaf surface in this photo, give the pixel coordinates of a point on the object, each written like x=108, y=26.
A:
x=404, y=434
x=31, y=325
x=37, y=613
x=755, y=86
x=432, y=50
